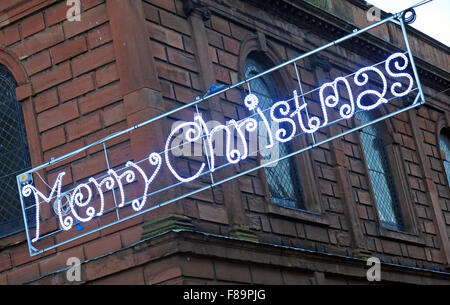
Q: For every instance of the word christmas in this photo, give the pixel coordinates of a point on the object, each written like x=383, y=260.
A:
x=283, y=113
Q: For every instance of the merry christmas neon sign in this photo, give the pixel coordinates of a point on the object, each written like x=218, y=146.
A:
x=282, y=113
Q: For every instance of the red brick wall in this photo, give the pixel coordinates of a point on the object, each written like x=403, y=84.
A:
x=73, y=97
x=75, y=100
x=168, y=32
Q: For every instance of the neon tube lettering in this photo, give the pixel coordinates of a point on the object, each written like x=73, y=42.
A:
x=280, y=112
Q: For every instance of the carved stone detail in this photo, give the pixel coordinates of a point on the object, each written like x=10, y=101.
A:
x=190, y=6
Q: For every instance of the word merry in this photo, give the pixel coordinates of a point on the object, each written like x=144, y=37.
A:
x=283, y=113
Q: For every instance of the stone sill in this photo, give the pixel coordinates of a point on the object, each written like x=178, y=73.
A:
x=401, y=236
x=297, y=214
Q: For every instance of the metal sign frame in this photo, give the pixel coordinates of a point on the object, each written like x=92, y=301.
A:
x=419, y=100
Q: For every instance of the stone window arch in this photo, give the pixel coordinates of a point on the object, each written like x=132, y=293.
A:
x=283, y=180
x=387, y=176
x=255, y=55
x=14, y=153
x=17, y=84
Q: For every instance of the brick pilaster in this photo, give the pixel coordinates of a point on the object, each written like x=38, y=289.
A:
x=231, y=189
x=139, y=84
x=432, y=192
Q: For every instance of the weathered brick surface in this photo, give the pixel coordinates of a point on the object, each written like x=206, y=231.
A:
x=38, y=63
x=175, y=22
x=75, y=88
x=232, y=272
x=93, y=59
x=211, y=213
x=99, y=36
x=53, y=138
x=133, y=276
x=10, y=35
x=55, y=14
x=48, y=79
x=89, y=19
x=43, y=40
x=83, y=126
x=57, y=116
x=68, y=49
x=23, y=274
x=65, y=149
x=266, y=276
x=100, y=98
x=165, y=35
x=106, y=75
x=46, y=100
x=32, y=25
x=174, y=74
x=59, y=260
x=5, y=261
x=168, y=5
x=75, y=91
x=98, y=247
x=23, y=92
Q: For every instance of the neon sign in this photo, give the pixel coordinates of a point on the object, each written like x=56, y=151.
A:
x=283, y=113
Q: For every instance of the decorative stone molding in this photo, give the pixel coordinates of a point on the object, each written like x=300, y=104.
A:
x=322, y=62
x=362, y=253
x=165, y=224
x=244, y=234
x=190, y=6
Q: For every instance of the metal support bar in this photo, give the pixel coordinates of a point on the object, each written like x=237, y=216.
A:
x=303, y=97
x=411, y=58
x=206, y=150
x=113, y=191
x=22, y=205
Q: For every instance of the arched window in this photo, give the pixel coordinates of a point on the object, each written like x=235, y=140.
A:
x=380, y=173
x=282, y=178
x=14, y=155
x=444, y=143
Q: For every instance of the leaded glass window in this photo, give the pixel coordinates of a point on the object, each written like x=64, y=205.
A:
x=444, y=143
x=14, y=155
x=380, y=173
x=282, y=178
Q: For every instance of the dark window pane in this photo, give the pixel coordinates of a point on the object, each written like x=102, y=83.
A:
x=380, y=173
x=14, y=155
x=282, y=178
x=445, y=147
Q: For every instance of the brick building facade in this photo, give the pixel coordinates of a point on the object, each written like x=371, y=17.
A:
x=126, y=61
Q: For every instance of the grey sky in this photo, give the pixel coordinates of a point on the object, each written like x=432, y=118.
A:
x=433, y=18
